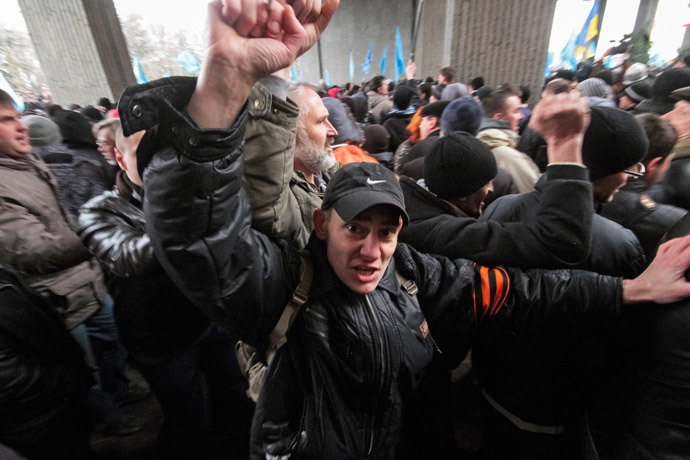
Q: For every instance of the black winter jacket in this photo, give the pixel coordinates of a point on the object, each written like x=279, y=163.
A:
x=645, y=414
x=336, y=389
x=154, y=318
x=42, y=370
x=615, y=250
x=635, y=210
x=558, y=236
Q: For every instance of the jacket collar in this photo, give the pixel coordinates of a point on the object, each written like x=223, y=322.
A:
x=421, y=204
x=492, y=123
x=325, y=278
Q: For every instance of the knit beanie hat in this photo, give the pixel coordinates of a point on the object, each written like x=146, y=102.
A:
x=437, y=92
x=403, y=97
x=42, y=131
x=376, y=139
x=595, y=87
x=484, y=91
x=614, y=140
x=463, y=114
x=458, y=165
x=636, y=72
x=639, y=91
x=605, y=75
x=669, y=81
x=435, y=109
x=454, y=91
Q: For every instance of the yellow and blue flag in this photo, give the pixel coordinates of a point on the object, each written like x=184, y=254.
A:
x=585, y=44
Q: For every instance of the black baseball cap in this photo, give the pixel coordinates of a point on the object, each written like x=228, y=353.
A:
x=356, y=187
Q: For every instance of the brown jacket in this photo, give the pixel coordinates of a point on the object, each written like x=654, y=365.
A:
x=37, y=239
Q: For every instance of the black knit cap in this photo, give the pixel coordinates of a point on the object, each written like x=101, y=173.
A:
x=614, y=141
x=669, y=81
x=435, y=109
x=458, y=165
x=356, y=187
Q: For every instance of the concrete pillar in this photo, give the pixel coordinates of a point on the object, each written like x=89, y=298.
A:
x=501, y=41
x=81, y=48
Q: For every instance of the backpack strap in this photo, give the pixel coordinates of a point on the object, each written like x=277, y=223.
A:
x=278, y=336
x=408, y=285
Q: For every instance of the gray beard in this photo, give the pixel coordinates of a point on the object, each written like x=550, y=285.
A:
x=315, y=157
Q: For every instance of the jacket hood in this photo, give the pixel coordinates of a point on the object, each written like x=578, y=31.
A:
x=376, y=98
x=499, y=137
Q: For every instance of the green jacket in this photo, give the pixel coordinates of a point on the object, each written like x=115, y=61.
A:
x=282, y=200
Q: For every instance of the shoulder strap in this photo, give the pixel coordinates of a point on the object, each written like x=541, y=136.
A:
x=408, y=285
x=278, y=336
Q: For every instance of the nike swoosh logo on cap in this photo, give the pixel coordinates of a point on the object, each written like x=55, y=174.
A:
x=374, y=182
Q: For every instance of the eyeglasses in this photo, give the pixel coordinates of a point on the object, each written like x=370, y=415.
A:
x=637, y=170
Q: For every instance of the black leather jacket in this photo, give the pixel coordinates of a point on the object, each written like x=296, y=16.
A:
x=635, y=210
x=154, y=318
x=336, y=389
x=42, y=370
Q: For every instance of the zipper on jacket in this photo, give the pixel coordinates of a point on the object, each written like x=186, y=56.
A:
x=380, y=370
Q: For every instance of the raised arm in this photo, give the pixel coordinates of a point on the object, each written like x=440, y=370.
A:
x=196, y=213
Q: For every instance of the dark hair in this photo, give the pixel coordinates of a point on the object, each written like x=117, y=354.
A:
x=403, y=97
x=496, y=102
x=52, y=109
x=661, y=134
x=557, y=86
x=448, y=73
x=605, y=75
x=477, y=82
x=105, y=103
x=376, y=82
x=526, y=93
x=6, y=99
x=515, y=90
x=425, y=91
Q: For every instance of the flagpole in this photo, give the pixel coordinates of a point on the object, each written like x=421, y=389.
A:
x=415, y=31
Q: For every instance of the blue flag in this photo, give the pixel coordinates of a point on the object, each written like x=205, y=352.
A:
x=138, y=71
x=568, y=60
x=383, y=60
x=585, y=46
x=549, y=61
x=188, y=61
x=352, y=68
x=328, y=78
x=293, y=73
x=367, y=63
x=399, y=56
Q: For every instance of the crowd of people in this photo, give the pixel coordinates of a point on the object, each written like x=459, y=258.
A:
x=391, y=270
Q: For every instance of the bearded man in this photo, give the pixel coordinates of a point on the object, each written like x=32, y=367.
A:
x=286, y=120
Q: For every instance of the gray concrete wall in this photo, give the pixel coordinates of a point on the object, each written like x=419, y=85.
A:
x=499, y=39
x=81, y=48
x=356, y=24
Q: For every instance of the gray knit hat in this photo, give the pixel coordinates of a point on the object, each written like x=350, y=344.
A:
x=458, y=165
x=595, y=87
x=636, y=72
x=454, y=91
x=42, y=130
x=614, y=140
